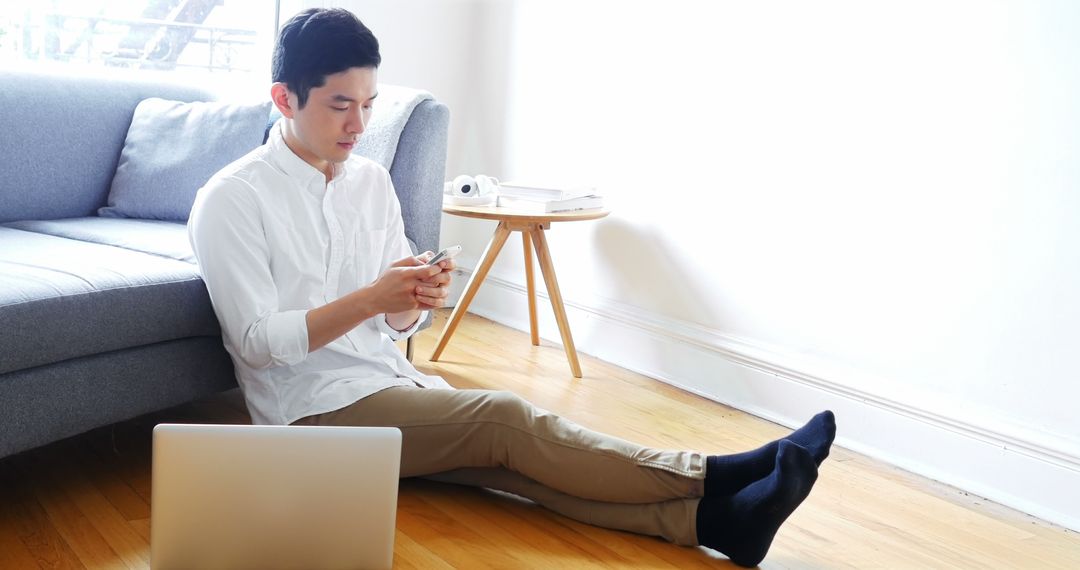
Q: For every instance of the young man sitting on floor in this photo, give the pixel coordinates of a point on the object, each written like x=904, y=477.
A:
x=302, y=248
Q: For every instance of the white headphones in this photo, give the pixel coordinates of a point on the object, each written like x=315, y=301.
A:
x=465, y=190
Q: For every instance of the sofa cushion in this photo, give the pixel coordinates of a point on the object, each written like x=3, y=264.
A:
x=62, y=298
x=173, y=148
x=167, y=239
x=64, y=128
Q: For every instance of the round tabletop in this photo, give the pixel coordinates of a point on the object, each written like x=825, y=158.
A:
x=509, y=214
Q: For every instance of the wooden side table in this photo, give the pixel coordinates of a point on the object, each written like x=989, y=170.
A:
x=532, y=228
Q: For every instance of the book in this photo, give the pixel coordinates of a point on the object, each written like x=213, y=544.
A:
x=550, y=206
x=543, y=192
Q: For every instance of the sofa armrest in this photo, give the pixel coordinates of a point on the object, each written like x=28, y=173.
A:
x=419, y=170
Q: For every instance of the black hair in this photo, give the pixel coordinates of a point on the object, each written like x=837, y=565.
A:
x=319, y=42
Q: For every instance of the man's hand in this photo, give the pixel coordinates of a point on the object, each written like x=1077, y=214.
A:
x=431, y=293
x=404, y=287
x=408, y=286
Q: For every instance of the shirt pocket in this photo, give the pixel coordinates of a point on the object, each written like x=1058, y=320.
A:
x=367, y=254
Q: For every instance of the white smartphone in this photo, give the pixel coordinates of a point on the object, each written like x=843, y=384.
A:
x=445, y=254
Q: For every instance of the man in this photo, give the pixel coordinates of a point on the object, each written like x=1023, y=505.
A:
x=302, y=247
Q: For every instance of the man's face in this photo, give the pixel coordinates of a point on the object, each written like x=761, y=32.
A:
x=336, y=114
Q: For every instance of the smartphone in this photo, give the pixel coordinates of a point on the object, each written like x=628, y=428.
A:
x=445, y=254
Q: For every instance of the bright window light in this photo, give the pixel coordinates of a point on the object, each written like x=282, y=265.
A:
x=207, y=36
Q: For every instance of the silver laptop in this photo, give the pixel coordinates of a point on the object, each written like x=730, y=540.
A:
x=269, y=497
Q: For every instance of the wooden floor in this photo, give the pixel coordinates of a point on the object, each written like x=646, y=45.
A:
x=85, y=502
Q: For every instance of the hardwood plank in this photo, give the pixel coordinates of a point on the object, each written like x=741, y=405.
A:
x=632, y=550
x=108, y=482
x=127, y=448
x=13, y=553
x=615, y=549
x=142, y=527
x=487, y=513
x=131, y=548
x=63, y=517
x=458, y=545
x=27, y=539
x=411, y=554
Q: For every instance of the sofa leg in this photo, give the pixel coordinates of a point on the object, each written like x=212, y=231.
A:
x=408, y=348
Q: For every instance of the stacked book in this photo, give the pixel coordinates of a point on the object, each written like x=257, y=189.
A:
x=541, y=199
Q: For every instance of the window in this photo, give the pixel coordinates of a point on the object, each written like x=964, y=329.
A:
x=187, y=36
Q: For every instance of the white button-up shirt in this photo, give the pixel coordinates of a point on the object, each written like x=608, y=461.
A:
x=273, y=240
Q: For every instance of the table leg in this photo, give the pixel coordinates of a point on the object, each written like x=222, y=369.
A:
x=530, y=288
x=490, y=253
x=548, y=269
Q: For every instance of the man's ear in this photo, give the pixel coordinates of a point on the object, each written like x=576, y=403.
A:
x=279, y=94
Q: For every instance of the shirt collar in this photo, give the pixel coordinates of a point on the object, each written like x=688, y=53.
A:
x=306, y=175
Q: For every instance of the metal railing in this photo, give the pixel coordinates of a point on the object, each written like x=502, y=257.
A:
x=165, y=42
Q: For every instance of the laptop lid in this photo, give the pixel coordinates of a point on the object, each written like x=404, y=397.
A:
x=269, y=497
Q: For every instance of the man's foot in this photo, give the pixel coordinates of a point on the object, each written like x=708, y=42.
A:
x=816, y=436
x=727, y=474
x=742, y=526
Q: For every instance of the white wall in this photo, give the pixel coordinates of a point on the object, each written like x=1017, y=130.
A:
x=859, y=205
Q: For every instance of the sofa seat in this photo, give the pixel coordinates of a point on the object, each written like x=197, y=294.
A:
x=72, y=288
x=166, y=239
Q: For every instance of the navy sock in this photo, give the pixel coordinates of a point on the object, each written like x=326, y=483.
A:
x=726, y=474
x=816, y=436
x=742, y=526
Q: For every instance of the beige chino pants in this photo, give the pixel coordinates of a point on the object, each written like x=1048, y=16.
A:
x=500, y=441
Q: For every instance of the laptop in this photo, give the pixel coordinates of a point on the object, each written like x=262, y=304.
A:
x=273, y=497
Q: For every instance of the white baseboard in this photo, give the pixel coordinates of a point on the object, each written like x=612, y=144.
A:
x=1035, y=477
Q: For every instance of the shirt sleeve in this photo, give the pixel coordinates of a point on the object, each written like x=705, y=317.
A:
x=226, y=234
x=397, y=247
x=396, y=334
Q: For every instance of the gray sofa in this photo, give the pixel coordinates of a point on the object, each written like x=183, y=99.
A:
x=103, y=319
